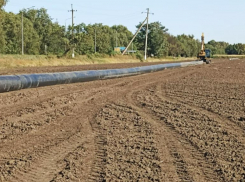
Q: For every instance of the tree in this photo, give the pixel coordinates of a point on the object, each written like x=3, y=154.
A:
x=231, y=49
x=2, y=34
x=103, y=37
x=83, y=39
x=12, y=31
x=189, y=46
x=157, y=39
x=3, y=3
x=217, y=47
x=57, y=42
x=2, y=37
x=174, y=48
x=121, y=36
x=42, y=24
x=240, y=48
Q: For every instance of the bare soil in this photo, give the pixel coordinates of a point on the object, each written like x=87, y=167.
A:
x=184, y=124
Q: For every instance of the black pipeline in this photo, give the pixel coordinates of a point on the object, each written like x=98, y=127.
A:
x=17, y=82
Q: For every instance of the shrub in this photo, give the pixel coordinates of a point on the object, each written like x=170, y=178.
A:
x=113, y=53
x=139, y=56
x=90, y=56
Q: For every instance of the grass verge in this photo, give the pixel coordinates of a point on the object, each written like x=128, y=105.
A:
x=17, y=61
x=228, y=56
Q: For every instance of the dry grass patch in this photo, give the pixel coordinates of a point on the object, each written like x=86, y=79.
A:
x=228, y=56
x=15, y=61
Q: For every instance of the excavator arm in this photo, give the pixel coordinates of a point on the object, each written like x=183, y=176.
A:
x=204, y=53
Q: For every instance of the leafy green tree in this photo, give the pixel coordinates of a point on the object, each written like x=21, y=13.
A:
x=12, y=29
x=157, y=39
x=240, y=48
x=57, y=42
x=2, y=36
x=103, y=37
x=83, y=39
x=42, y=24
x=189, y=47
x=235, y=49
x=3, y=3
x=216, y=47
x=174, y=46
x=31, y=39
x=121, y=36
x=231, y=49
x=106, y=37
x=51, y=35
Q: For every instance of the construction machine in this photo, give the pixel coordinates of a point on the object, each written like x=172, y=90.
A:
x=204, y=53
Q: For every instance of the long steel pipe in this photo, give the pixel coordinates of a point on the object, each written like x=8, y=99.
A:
x=17, y=82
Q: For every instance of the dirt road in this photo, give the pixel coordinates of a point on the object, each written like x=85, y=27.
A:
x=184, y=124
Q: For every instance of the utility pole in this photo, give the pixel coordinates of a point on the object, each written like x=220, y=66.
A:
x=116, y=38
x=94, y=40
x=72, y=12
x=146, y=37
x=22, y=30
x=22, y=34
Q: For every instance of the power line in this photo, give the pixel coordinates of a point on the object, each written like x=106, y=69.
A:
x=98, y=8
x=112, y=19
x=114, y=15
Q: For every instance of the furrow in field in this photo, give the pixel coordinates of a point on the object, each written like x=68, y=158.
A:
x=126, y=149
x=189, y=162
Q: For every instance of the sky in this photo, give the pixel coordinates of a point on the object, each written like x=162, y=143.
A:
x=219, y=20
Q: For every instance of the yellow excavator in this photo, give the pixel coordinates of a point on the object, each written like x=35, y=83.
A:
x=204, y=53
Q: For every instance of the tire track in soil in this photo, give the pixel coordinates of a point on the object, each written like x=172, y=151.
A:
x=175, y=153
x=126, y=149
x=219, y=90
x=29, y=118
x=17, y=108
x=219, y=107
x=100, y=91
x=44, y=161
x=99, y=173
x=189, y=163
x=41, y=148
x=199, y=95
x=46, y=156
x=116, y=89
x=222, y=146
x=44, y=113
x=182, y=123
x=228, y=125
x=76, y=165
x=59, y=106
x=48, y=164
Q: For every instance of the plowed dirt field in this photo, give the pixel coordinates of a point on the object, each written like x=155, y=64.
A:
x=184, y=124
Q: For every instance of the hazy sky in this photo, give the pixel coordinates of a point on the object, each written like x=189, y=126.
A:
x=221, y=20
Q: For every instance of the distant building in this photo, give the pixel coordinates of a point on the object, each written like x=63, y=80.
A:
x=121, y=49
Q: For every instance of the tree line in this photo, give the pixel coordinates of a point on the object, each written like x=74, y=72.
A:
x=44, y=36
